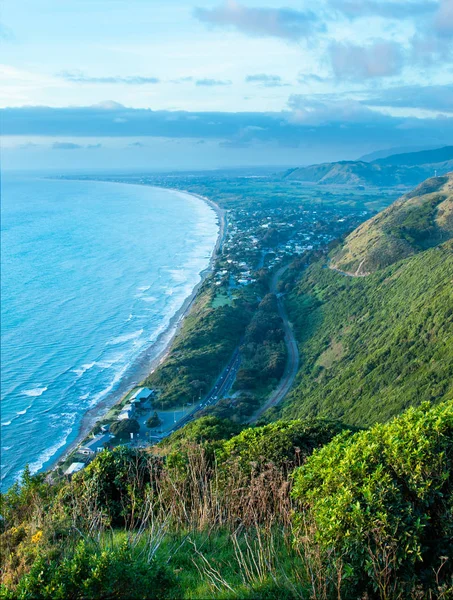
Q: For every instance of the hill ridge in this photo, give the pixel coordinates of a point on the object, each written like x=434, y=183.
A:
x=420, y=219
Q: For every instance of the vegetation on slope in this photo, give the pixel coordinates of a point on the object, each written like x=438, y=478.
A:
x=368, y=514
x=373, y=346
x=419, y=220
x=263, y=351
x=207, y=340
x=402, y=169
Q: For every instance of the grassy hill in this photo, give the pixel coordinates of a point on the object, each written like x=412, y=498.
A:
x=372, y=346
x=419, y=220
x=407, y=169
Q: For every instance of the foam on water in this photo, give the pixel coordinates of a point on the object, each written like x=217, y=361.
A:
x=81, y=321
x=125, y=338
x=35, y=392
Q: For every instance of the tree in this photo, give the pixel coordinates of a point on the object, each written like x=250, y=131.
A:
x=153, y=421
x=122, y=429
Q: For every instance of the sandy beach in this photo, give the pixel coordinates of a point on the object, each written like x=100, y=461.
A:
x=157, y=352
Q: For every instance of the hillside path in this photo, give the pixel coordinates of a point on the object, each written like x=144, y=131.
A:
x=292, y=363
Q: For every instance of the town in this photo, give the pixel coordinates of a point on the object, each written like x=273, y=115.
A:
x=268, y=223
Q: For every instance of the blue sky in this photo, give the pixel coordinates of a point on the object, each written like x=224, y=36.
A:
x=196, y=84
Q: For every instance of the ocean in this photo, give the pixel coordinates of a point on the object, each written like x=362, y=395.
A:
x=92, y=273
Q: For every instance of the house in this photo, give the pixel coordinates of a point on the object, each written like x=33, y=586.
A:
x=95, y=445
x=74, y=467
x=127, y=412
x=142, y=395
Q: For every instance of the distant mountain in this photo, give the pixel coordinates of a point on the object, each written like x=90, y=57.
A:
x=419, y=220
x=372, y=156
x=424, y=157
x=400, y=169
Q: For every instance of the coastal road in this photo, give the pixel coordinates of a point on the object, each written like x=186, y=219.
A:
x=220, y=389
x=292, y=363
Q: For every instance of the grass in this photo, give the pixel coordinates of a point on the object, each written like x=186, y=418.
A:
x=419, y=220
x=221, y=299
x=373, y=346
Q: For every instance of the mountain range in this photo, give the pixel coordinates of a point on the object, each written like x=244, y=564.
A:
x=407, y=170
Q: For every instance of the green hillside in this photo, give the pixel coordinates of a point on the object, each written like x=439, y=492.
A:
x=392, y=171
x=373, y=346
x=419, y=220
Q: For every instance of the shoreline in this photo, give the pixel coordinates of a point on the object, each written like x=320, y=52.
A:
x=153, y=356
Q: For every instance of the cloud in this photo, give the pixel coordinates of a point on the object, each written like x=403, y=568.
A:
x=322, y=120
x=427, y=49
x=355, y=9
x=182, y=79
x=437, y=98
x=266, y=80
x=66, y=146
x=28, y=146
x=433, y=42
x=443, y=22
x=211, y=82
x=380, y=59
x=309, y=78
x=72, y=146
x=328, y=109
x=79, y=77
x=285, y=23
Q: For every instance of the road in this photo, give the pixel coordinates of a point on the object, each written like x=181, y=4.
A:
x=292, y=363
x=220, y=389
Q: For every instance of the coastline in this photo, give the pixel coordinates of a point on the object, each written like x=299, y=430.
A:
x=157, y=352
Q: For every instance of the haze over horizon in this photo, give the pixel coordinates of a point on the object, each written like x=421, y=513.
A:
x=211, y=83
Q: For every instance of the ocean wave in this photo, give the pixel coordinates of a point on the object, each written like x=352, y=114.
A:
x=6, y=423
x=143, y=288
x=117, y=377
x=6, y=448
x=178, y=275
x=34, y=392
x=83, y=369
x=84, y=396
x=109, y=361
x=125, y=338
x=149, y=298
x=47, y=454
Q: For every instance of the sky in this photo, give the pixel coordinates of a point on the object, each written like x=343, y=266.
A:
x=195, y=84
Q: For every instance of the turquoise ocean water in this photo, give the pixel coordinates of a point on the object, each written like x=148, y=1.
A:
x=92, y=273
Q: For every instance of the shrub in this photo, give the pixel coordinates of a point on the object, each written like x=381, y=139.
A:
x=116, y=483
x=380, y=502
x=122, y=429
x=284, y=443
x=87, y=573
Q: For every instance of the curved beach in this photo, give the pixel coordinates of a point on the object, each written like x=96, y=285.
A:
x=157, y=352
x=97, y=288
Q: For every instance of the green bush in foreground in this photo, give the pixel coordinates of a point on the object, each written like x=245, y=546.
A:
x=381, y=503
x=283, y=443
x=87, y=573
